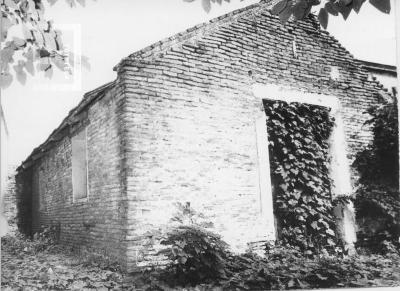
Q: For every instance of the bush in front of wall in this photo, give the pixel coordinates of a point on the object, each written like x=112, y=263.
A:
x=195, y=254
x=284, y=267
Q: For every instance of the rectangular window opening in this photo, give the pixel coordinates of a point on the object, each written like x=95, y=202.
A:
x=79, y=166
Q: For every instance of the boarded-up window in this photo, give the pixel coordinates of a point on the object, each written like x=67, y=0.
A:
x=79, y=165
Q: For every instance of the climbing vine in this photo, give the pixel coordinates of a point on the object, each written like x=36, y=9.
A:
x=299, y=156
x=377, y=199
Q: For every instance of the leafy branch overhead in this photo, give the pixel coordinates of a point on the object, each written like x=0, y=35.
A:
x=299, y=9
x=29, y=42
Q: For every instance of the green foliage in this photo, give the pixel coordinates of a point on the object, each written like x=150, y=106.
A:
x=378, y=164
x=300, y=9
x=285, y=267
x=299, y=147
x=37, y=264
x=201, y=260
x=42, y=241
x=186, y=215
x=196, y=255
x=377, y=201
x=39, y=44
x=282, y=268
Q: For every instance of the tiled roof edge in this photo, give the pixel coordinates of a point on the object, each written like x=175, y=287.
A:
x=390, y=69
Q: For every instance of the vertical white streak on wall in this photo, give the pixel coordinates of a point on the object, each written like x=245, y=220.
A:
x=340, y=174
x=3, y=169
x=266, y=200
x=340, y=170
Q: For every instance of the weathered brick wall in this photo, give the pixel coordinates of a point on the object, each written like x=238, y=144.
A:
x=98, y=222
x=9, y=199
x=191, y=114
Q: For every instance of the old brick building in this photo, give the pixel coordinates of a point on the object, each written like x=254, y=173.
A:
x=182, y=123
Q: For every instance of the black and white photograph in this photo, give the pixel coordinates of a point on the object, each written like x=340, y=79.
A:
x=199, y=144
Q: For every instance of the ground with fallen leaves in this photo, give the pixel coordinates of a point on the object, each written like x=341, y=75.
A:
x=27, y=265
x=40, y=265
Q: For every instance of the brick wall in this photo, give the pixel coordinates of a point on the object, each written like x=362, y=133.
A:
x=191, y=122
x=9, y=199
x=98, y=222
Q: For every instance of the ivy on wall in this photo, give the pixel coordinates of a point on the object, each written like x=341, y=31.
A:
x=377, y=199
x=299, y=157
x=378, y=163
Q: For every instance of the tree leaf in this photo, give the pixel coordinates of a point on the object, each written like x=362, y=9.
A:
x=330, y=231
x=321, y=277
x=286, y=13
x=301, y=9
x=20, y=73
x=330, y=8
x=11, y=4
x=330, y=242
x=50, y=41
x=19, y=42
x=5, y=26
x=26, y=32
x=278, y=7
x=297, y=194
x=58, y=40
x=59, y=62
x=85, y=62
x=29, y=54
x=206, y=5
x=6, y=57
x=381, y=5
x=5, y=80
x=343, y=9
x=283, y=187
x=29, y=67
x=43, y=53
x=81, y=2
x=323, y=17
x=42, y=66
x=314, y=225
x=71, y=3
x=357, y=5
